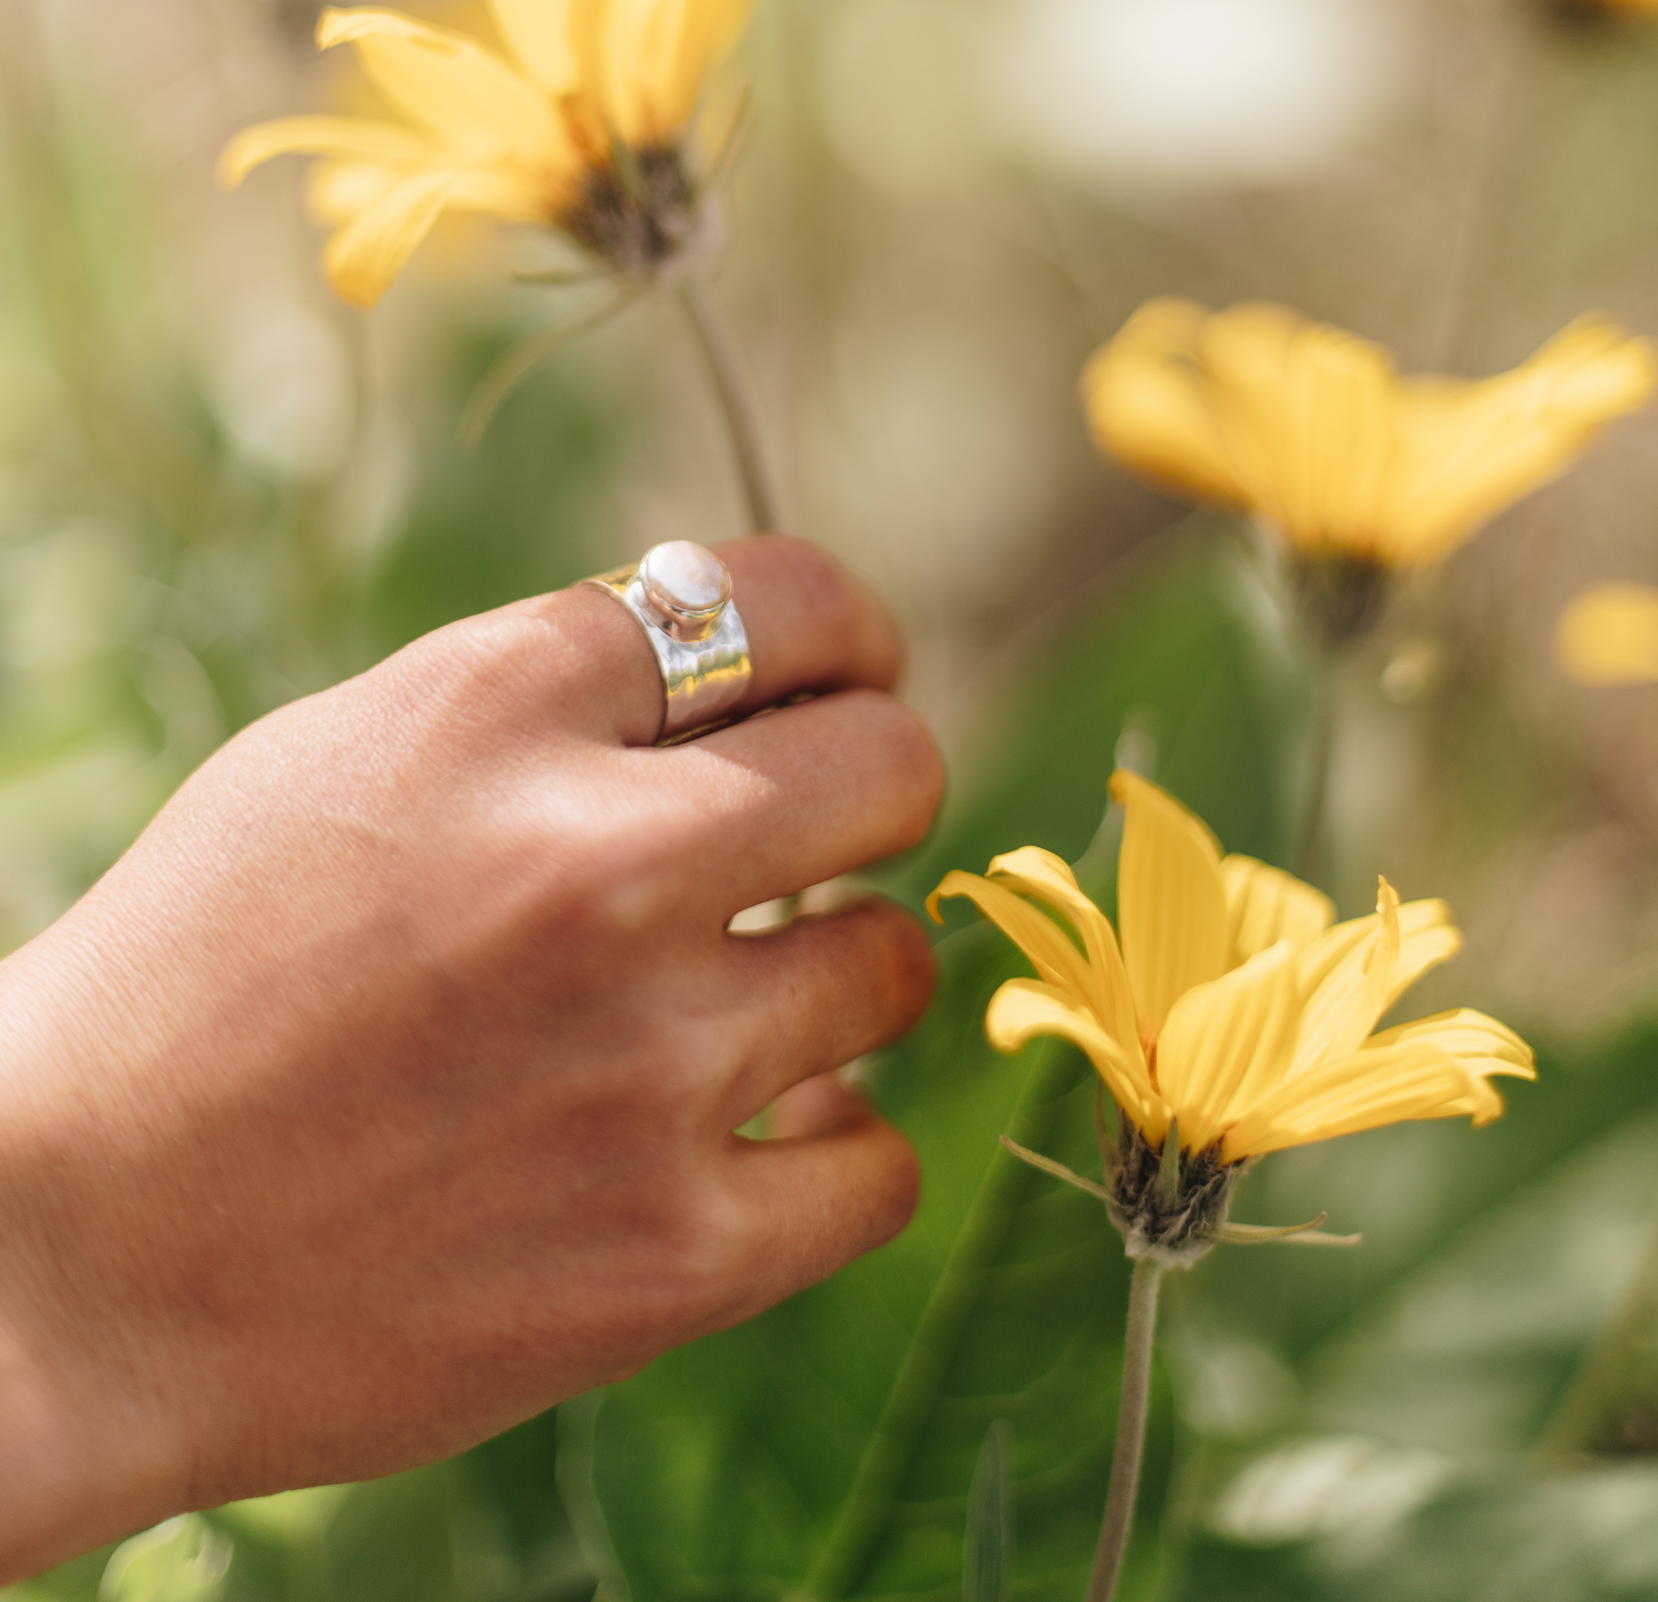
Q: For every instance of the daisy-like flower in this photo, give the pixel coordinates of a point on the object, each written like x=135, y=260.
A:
x=1355, y=471
x=1609, y=635
x=577, y=123
x=1233, y=1020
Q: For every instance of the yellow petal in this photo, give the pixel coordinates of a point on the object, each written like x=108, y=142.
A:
x=1265, y=905
x=1171, y=907
x=367, y=254
x=537, y=32
x=338, y=192
x=1468, y=451
x=1022, y=1009
x=1609, y=635
x=1034, y=872
x=463, y=94
x=1366, y=1090
x=1306, y=410
x=1037, y=935
x=644, y=60
x=1310, y=426
x=1227, y=1042
x=621, y=48
x=1350, y=979
x=707, y=30
x=345, y=138
x=1146, y=403
x=1478, y=1042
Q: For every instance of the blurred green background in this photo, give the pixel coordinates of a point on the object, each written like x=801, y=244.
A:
x=220, y=490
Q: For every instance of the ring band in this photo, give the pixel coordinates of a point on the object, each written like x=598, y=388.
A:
x=680, y=593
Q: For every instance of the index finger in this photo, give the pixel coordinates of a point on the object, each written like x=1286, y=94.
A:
x=811, y=625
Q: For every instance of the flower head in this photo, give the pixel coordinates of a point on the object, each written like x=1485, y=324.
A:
x=1609, y=635
x=1233, y=1018
x=1312, y=430
x=578, y=123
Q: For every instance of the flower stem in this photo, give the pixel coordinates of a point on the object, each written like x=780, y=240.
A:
x=1315, y=776
x=734, y=404
x=1131, y=1432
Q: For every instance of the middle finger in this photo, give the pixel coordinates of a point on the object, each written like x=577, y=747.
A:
x=798, y=796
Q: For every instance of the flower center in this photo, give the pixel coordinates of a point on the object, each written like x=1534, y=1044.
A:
x=636, y=209
x=1175, y=1229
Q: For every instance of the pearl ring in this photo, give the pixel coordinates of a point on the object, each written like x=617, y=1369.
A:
x=680, y=593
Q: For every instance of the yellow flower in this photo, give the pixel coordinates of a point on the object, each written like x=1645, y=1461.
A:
x=579, y=126
x=1609, y=635
x=1232, y=1006
x=1313, y=431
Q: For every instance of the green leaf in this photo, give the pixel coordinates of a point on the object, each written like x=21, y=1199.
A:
x=1564, y=1538
x=987, y=1560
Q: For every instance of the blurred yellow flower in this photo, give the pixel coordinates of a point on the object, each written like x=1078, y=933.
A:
x=1233, y=1006
x=578, y=125
x=1609, y=635
x=1312, y=429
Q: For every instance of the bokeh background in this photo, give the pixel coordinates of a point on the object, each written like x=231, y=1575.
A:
x=221, y=489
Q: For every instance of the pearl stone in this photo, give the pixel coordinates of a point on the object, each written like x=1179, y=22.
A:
x=685, y=581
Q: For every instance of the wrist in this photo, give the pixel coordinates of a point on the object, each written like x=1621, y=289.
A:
x=69, y=1479
x=85, y=1454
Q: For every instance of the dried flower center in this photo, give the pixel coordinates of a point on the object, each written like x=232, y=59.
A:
x=637, y=210
x=1340, y=595
x=1177, y=1226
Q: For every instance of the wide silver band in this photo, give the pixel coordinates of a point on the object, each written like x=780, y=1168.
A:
x=701, y=650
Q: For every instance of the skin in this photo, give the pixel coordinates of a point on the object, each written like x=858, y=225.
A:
x=383, y=1094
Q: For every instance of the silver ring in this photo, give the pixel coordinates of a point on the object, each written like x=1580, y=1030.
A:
x=681, y=595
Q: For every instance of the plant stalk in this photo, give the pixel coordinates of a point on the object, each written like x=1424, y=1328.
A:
x=734, y=405
x=1131, y=1432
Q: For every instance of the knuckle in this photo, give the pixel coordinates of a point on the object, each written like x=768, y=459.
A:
x=615, y=870
x=704, y=1263
x=823, y=582
x=484, y=657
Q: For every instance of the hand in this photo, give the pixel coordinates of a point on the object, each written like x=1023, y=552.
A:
x=383, y=1094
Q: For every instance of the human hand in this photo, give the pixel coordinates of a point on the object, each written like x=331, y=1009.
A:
x=383, y=1094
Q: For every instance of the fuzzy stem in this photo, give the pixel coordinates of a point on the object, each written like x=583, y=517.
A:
x=734, y=404
x=1315, y=775
x=1131, y=1432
